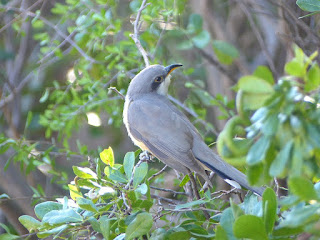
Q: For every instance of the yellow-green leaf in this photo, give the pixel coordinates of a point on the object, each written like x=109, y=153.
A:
x=107, y=156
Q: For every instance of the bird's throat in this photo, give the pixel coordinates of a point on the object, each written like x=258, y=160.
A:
x=163, y=88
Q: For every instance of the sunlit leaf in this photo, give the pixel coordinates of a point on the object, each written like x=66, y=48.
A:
x=107, y=156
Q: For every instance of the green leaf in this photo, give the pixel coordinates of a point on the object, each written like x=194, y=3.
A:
x=190, y=204
x=107, y=156
x=255, y=85
x=55, y=217
x=309, y=5
x=295, y=68
x=122, y=236
x=224, y=51
x=55, y=231
x=252, y=205
x=254, y=173
x=270, y=125
x=236, y=210
x=253, y=101
x=8, y=236
x=139, y=174
x=4, y=195
x=177, y=233
x=195, y=23
x=184, y=181
x=143, y=189
x=105, y=226
x=29, y=223
x=313, y=78
x=128, y=164
x=141, y=225
x=279, y=163
x=85, y=173
x=226, y=222
x=249, y=226
x=269, y=206
x=117, y=176
x=107, y=192
x=221, y=234
x=258, y=150
x=95, y=224
x=87, y=204
x=74, y=191
x=42, y=209
x=286, y=231
x=158, y=234
x=299, y=216
x=303, y=188
x=201, y=39
x=184, y=45
x=297, y=158
x=29, y=119
x=264, y=73
x=45, y=96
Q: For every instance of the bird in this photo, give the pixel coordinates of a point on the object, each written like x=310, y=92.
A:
x=157, y=126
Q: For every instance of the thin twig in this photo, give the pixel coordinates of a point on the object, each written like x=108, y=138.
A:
x=196, y=193
x=17, y=17
x=29, y=77
x=136, y=30
x=223, y=193
x=277, y=186
x=42, y=60
x=169, y=190
x=114, y=78
x=58, y=31
x=259, y=37
x=117, y=91
x=193, y=210
x=218, y=65
x=143, y=158
x=159, y=39
x=169, y=200
x=158, y=173
x=206, y=185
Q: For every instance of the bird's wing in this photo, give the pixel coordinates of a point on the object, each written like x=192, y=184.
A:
x=164, y=131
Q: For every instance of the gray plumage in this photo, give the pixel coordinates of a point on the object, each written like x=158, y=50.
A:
x=156, y=125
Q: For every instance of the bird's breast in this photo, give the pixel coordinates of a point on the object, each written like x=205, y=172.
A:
x=127, y=124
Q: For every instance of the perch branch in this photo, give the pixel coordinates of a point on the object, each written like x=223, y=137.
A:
x=135, y=35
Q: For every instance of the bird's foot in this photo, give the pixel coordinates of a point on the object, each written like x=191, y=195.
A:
x=146, y=156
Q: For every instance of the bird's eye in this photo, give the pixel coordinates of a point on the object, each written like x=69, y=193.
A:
x=158, y=79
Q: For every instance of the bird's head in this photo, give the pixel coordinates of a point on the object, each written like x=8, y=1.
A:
x=155, y=78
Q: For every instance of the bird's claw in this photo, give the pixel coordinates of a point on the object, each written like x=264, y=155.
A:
x=146, y=156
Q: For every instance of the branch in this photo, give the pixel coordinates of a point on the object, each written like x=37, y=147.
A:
x=117, y=91
x=196, y=193
x=259, y=37
x=158, y=173
x=29, y=77
x=169, y=190
x=58, y=31
x=218, y=65
x=135, y=35
x=16, y=18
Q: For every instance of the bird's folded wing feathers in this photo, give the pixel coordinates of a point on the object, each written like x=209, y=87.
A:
x=150, y=118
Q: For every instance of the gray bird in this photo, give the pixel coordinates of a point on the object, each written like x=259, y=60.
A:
x=154, y=124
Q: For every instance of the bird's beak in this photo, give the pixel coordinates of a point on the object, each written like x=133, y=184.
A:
x=172, y=67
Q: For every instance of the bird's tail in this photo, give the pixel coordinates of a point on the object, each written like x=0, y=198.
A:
x=231, y=175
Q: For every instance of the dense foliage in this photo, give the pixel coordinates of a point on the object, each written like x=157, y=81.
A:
x=272, y=131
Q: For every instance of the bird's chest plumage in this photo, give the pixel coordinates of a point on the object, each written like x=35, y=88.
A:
x=127, y=124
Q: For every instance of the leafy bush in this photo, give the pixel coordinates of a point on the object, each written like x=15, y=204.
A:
x=272, y=133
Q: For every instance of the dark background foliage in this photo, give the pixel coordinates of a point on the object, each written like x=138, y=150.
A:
x=249, y=82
